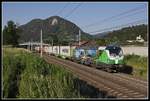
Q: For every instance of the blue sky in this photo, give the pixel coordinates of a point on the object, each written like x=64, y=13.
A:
x=85, y=14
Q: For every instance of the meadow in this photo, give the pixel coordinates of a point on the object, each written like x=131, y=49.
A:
x=139, y=65
x=26, y=75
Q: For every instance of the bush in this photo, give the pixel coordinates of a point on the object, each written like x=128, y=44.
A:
x=138, y=63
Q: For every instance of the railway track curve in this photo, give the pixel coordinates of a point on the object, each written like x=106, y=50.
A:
x=117, y=85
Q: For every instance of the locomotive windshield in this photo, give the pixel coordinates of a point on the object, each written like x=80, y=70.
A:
x=114, y=50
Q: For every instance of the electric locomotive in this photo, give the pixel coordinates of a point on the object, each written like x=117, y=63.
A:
x=110, y=59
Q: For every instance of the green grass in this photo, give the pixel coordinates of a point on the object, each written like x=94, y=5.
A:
x=139, y=64
x=26, y=75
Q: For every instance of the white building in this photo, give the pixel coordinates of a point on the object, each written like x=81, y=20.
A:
x=139, y=39
x=130, y=40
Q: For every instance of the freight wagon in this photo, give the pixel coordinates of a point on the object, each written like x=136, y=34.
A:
x=109, y=58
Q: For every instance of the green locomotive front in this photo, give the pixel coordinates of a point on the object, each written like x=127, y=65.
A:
x=111, y=58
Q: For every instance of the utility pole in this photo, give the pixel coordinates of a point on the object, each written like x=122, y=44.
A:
x=79, y=37
x=59, y=47
x=31, y=45
x=52, y=45
x=41, y=43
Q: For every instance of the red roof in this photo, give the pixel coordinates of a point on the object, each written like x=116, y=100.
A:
x=84, y=44
x=81, y=43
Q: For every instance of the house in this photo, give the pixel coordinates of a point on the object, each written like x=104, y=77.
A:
x=139, y=39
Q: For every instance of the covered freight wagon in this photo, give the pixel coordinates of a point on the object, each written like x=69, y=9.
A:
x=85, y=52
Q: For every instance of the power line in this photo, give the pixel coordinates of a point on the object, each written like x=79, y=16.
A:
x=130, y=15
x=135, y=22
x=61, y=10
x=114, y=16
x=71, y=12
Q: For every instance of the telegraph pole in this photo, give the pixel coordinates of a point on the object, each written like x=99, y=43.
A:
x=41, y=43
x=52, y=45
x=79, y=37
x=31, y=45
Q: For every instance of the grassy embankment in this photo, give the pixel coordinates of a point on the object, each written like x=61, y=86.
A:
x=26, y=75
x=139, y=64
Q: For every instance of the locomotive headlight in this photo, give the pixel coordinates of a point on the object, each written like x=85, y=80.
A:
x=116, y=61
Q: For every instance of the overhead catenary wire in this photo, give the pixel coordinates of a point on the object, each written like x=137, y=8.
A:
x=127, y=16
x=112, y=17
x=119, y=26
x=61, y=10
x=123, y=25
x=73, y=10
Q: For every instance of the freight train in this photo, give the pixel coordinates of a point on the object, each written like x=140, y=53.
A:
x=109, y=58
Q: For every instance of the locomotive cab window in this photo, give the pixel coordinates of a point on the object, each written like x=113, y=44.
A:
x=114, y=50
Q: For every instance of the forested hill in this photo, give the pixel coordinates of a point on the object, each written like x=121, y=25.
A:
x=129, y=33
x=55, y=27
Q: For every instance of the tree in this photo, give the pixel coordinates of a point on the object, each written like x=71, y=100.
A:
x=10, y=34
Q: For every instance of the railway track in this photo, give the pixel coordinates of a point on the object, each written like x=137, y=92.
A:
x=116, y=85
x=131, y=78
